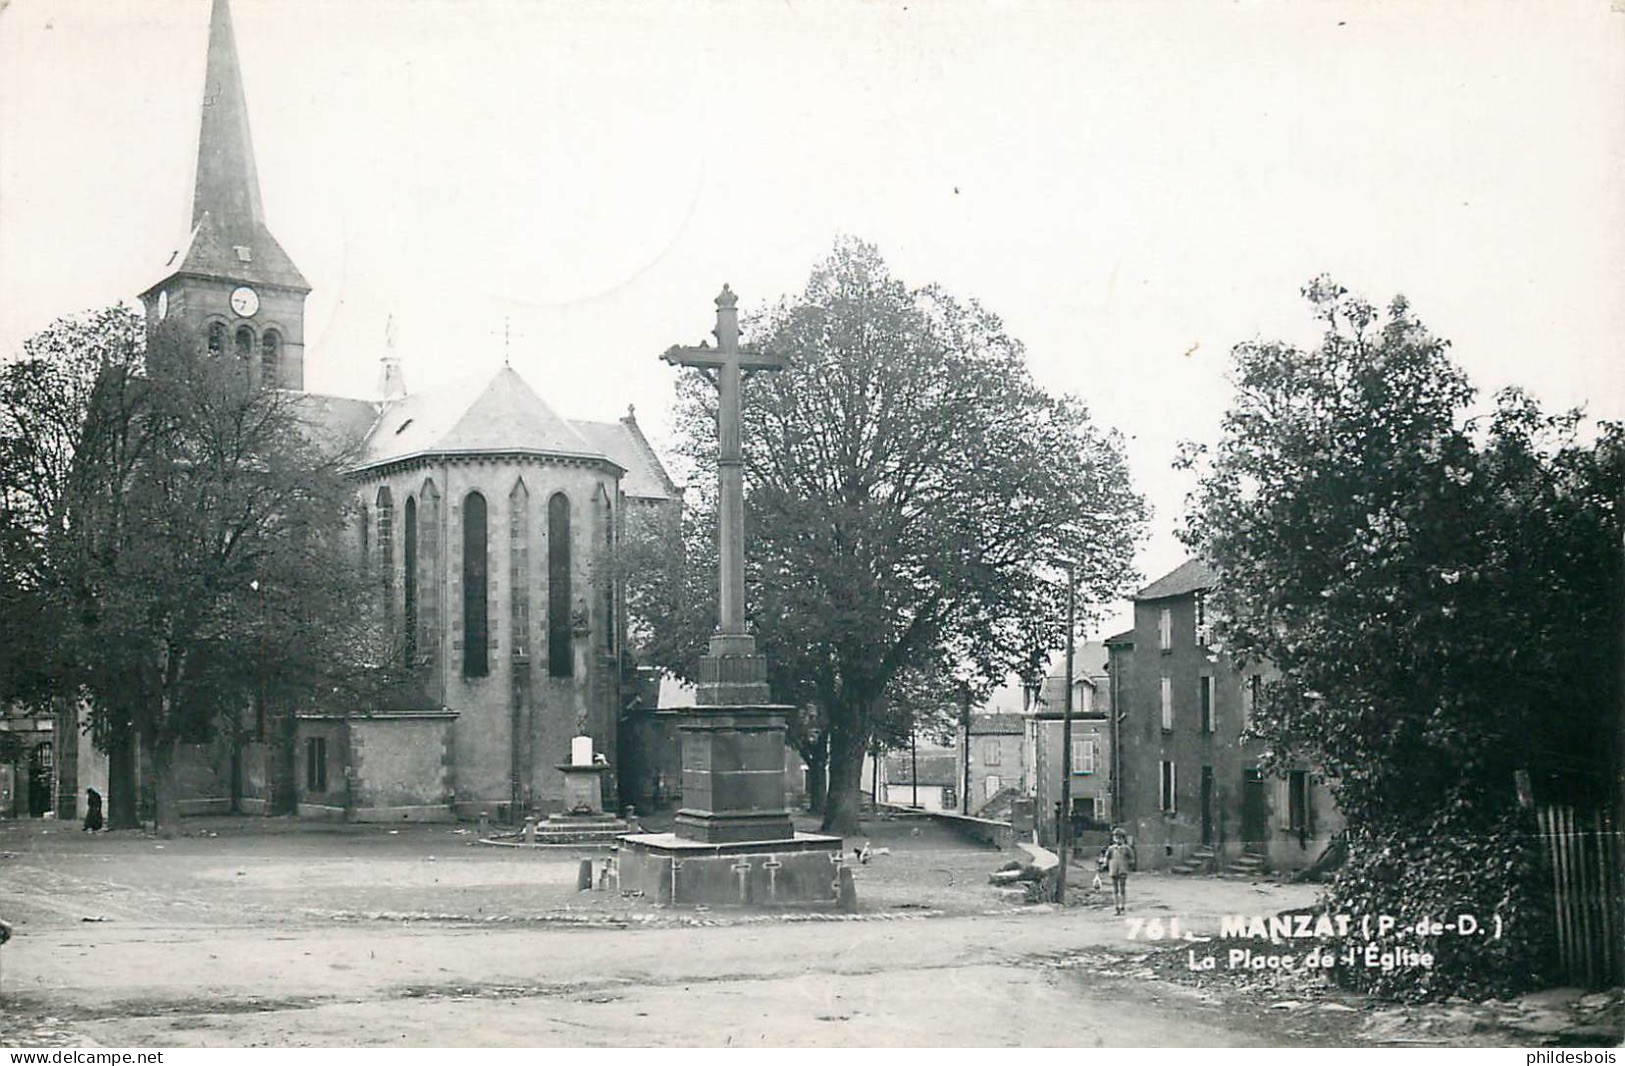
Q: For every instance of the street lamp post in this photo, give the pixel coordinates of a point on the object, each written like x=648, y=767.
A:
x=1065, y=828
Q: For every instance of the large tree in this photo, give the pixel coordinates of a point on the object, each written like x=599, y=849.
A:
x=909, y=492
x=1442, y=597
x=188, y=551
x=44, y=397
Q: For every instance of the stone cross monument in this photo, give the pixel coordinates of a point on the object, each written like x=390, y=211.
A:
x=732, y=840
x=732, y=674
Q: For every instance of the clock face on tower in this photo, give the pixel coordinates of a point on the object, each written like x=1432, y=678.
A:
x=245, y=301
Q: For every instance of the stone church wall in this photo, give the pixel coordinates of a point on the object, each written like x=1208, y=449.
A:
x=515, y=722
x=401, y=769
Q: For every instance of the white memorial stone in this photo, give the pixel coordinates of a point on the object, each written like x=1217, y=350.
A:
x=581, y=751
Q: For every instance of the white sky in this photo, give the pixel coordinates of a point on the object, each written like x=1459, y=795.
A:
x=1120, y=181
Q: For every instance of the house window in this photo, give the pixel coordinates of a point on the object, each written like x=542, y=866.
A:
x=1100, y=809
x=1249, y=704
x=1165, y=629
x=560, y=654
x=1086, y=698
x=476, y=660
x=991, y=784
x=1206, y=694
x=1297, y=801
x=270, y=356
x=1165, y=791
x=990, y=753
x=316, y=764
x=1083, y=755
x=409, y=579
x=1167, y=703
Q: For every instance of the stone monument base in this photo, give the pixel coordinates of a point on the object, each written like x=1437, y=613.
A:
x=801, y=871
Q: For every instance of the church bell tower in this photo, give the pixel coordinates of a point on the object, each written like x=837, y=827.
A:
x=231, y=279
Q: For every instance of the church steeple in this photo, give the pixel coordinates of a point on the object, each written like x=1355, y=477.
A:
x=231, y=279
x=228, y=186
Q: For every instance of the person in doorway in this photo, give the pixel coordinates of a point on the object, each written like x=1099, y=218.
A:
x=93, y=811
x=1119, y=860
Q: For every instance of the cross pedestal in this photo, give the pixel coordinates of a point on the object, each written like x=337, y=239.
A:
x=733, y=744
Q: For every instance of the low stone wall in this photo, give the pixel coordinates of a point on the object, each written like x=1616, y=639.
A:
x=983, y=831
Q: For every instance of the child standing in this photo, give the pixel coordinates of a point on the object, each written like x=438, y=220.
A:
x=1119, y=858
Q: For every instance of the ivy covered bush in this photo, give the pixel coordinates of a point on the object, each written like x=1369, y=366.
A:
x=1444, y=870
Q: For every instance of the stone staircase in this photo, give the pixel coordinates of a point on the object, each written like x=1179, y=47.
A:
x=1249, y=864
x=567, y=830
x=1199, y=861
x=999, y=807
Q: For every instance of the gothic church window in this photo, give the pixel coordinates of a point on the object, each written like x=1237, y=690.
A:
x=476, y=638
x=519, y=566
x=386, y=544
x=245, y=342
x=217, y=337
x=429, y=552
x=606, y=515
x=409, y=579
x=560, y=656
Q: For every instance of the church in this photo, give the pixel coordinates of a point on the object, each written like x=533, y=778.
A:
x=490, y=522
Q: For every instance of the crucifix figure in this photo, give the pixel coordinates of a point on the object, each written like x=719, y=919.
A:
x=727, y=364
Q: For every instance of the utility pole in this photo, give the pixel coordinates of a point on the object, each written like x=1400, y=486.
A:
x=1065, y=834
x=913, y=763
x=964, y=712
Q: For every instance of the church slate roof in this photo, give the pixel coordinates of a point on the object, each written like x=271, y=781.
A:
x=336, y=422
x=624, y=442
x=212, y=252
x=505, y=416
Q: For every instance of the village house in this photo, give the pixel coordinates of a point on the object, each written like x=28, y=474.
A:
x=1091, y=746
x=926, y=779
x=996, y=750
x=1192, y=792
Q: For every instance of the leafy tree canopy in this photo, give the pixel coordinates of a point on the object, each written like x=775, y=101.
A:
x=1440, y=593
x=910, y=490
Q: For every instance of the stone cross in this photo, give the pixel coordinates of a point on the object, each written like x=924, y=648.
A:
x=728, y=362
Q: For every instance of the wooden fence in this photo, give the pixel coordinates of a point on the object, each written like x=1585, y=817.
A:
x=1583, y=853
